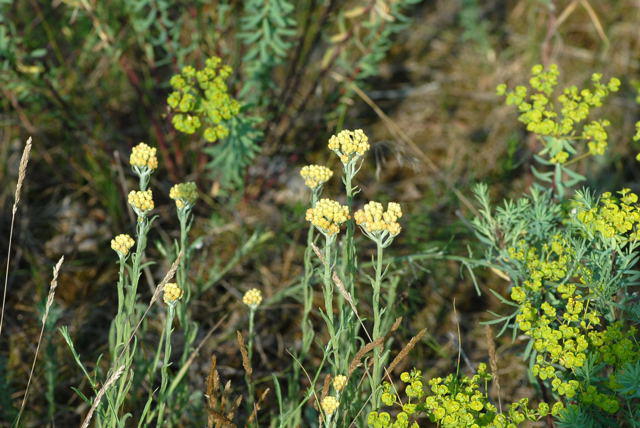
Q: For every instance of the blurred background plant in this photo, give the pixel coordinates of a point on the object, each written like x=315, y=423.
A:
x=90, y=79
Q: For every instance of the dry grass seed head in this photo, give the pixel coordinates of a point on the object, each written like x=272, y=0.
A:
x=246, y=363
x=22, y=172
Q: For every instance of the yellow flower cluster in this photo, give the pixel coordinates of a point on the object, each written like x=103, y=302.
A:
x=567, y=329
x=613, y=218
x=143, y=156
x=172, y=293
x=329, y=404
x=252, y=298
x=374, y=220
x=185, y=194
x=455, y=401
x=349, y=145
x=141, y=201
x=328, y=215
x=315, y=175
x=121, y=244
x=339, y=382
x=559, y=127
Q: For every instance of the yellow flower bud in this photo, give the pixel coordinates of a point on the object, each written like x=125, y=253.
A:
x=141, y=201
x=328, y=215
x=185, y=194
x=121, y=244
x=172, y=293
x=375, y=221
x=329, y=404
x=143, y=156
x=339, y=382
x=252, y=298
x=349, y=145
x=315, y=175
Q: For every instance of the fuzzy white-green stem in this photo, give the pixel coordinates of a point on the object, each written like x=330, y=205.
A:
x=327, y=292
x=164, y=370
x=247, y=377
x=377, y=321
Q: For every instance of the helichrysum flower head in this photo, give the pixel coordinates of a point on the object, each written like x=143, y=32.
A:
x=252, y=298
x=172, y=293
x=315, y=175
x=121, y=244
x=339, y=382
x=349, y=145
x=185, y=194
x=376, y=222
x=143, y=156
x=328, y=215
x=141, y=201
x=329, y=404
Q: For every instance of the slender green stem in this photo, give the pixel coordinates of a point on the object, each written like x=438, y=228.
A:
x=120, y=285
x=307, y=299
x=164, y=371
x=328, y=284
x=248, y=380
x=377, y=360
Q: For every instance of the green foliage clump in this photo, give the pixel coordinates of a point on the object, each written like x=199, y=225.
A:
x=571, y=261
x=455, y=401
x=266, y=29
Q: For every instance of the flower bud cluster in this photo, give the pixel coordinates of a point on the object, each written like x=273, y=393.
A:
x=329, y=404
x=143, y=156
x=172, y=293
x=315, y=176
x=349, y=145
x=122, y=243
x=185, y=194
x=328, y=216
x=252, y=298
x=374, y=220
x=141, y=201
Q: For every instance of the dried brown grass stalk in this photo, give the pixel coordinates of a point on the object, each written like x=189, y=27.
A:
x=215, y=417
x=213, y=382
x=219, y=419
x=493, y=362
x=22, y=172
x=405, y=351
x=355, y=363
x=325, y=386
x=96, y=401
x=52, y=292
x=256, y=407
x=246, y=363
